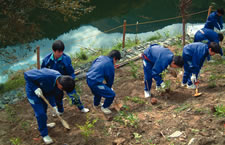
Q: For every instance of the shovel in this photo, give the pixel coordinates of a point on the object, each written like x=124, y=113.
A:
x=197, y=94
x=64, y=123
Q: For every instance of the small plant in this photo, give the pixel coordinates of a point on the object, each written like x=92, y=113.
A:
x=167, y=34
x=128, y=119
x=137, y=137
x=195, y=130
x=82, y=54
x=132, y=120
x=87, y=128
x=220, y=110
x=25, y=125
x=15, y=141
x=167, y=82
x=135, y=99
x=182, y=107
x=133, y=69
x=11, y=113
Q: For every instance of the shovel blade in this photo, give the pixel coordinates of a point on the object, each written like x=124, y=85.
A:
x=197, y=94
x=65, y=124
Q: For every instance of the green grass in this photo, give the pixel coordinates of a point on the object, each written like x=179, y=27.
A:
x=135, y=99
x=220, y=110
x=182, y=107
x=16, y=141
x=155, y=37
x=15, y=81
x=87, y=128
x=83, y=57
x=133, y=69
x=128, y=119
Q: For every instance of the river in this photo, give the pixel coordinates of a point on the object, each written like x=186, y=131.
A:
x=92, y=30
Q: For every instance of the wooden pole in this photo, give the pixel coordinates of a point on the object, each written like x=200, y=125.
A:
x=183, y=21
x=136, y=39
x=124, y=32
x=38, y=57
x=209, y=11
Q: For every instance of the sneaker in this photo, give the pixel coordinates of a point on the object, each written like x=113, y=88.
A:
x=191, y=86
x=47, y=139
x=147, y=94
x=106, y=110
x=51, y=125
x=183, y=85
x=84, y=110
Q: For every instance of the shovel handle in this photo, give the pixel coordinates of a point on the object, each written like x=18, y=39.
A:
x=65, y=124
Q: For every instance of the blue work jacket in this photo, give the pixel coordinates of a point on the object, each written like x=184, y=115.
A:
x=160, y=58
x=214, y=21
x=195, y=54
x=102, y=69
x=43, y=78
x=208, y=35
x=62, y=64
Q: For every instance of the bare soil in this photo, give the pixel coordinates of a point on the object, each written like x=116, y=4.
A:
x=134, y=119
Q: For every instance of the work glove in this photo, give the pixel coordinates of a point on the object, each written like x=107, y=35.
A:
x=193, y=78
x=161, y=87
x=38, y=92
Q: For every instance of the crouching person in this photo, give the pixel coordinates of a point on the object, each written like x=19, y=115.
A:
x=156, y=59
x=103, y=69
x=194, y=55
x=45, y=82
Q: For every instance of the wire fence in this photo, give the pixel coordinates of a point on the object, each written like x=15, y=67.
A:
x=115, y=28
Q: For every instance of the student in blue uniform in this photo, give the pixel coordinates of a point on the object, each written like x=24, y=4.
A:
x=103, y=69
x=194, y=55
x=61, y=62
x=215, y=20
x=156, y=59
x=209, y=35
x=45, y=82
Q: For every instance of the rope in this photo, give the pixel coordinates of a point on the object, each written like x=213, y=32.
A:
x=167, y=18
x=147, y=22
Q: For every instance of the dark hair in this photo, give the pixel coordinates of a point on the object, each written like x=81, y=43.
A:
x=178, y=60
x=220, y=35
x=221, y=11
x=115, y=54
x=67, y=83
x=215, y=47
x=58, y=45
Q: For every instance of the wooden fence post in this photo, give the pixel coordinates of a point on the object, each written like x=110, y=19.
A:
x=38, y=57
x=183, y=21
x=209, y=11
x=136, y=39
x=124, y=32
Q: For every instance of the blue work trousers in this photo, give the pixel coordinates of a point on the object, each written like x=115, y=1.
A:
x=102, y=90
